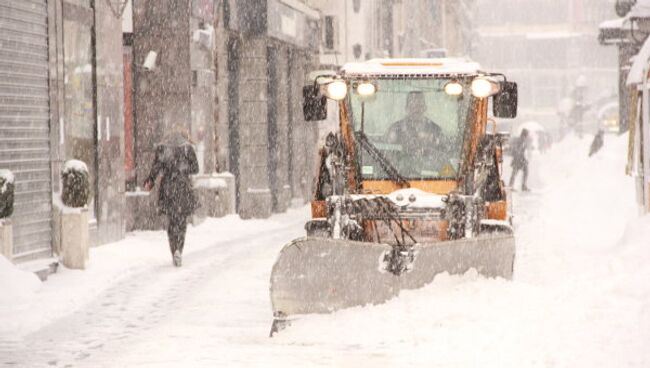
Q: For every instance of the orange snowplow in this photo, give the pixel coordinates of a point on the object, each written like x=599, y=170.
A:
x=409, y=186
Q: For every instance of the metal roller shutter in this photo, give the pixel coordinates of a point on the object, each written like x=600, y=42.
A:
x=24, y=122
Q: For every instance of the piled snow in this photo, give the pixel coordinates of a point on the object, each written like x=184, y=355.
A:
x=8, y=177
x=210, y=183
x=74, y=165
x=15, y=284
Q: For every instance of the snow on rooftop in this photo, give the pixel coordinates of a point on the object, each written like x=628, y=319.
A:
x=617, y=23
x=442, y=66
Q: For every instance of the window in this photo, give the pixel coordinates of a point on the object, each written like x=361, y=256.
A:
x=330, y=33
x=356, y=5
x=414, y=125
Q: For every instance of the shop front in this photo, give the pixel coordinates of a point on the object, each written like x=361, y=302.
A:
x=24, y=123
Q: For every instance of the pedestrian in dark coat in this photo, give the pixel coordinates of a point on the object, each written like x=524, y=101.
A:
x=519, y=160
x=175, y=160
x=597, y=143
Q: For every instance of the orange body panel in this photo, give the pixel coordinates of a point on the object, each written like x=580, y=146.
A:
x=436, y=229
x=388, y=186
x=318, y=209
x=497, y=210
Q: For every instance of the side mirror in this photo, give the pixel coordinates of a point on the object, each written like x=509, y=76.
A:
x=505, y=102
x=314, y=105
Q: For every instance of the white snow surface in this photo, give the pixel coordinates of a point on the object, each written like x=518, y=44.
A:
x=8, y=177
x=15, y=285
x=74, y=165
x=616, y=23
x=210, y=183
x=580, y=295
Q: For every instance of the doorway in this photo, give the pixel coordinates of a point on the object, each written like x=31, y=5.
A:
x=233, y=113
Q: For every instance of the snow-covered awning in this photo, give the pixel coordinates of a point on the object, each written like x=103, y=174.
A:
x=617, y=23
x=615, y=31
x=639, y=65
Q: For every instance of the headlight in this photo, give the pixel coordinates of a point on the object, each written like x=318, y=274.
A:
x=366, y=89
x=454, y=89
x=337, y=90
x=483, y=87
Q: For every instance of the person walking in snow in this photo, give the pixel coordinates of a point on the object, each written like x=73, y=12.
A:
x=175, y=160
x=519, y=160
x=597, y=143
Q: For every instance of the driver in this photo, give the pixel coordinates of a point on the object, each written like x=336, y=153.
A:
x=415, y=130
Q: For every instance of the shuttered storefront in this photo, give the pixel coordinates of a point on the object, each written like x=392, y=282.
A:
x=24, y=122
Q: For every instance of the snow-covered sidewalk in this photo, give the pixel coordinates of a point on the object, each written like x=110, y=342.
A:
x=26, y=304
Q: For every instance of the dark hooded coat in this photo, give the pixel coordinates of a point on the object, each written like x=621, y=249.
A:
x=175, y=160
x=518, y=149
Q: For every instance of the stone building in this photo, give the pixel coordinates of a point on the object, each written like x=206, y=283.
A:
x=231, y=74
x=550, y=48
x=61, y=98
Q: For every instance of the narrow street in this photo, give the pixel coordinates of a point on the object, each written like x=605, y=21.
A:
x=578, y=298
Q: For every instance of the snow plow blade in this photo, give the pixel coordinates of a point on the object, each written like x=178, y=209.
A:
x=321, y=275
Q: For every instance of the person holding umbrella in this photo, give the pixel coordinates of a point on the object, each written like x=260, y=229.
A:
x=175, y=160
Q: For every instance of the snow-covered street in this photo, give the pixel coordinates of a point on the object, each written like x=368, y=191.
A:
x=580, y=295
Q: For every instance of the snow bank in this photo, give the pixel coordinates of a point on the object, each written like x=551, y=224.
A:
x=15, y=284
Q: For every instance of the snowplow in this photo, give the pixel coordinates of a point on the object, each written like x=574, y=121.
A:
x=409, y=186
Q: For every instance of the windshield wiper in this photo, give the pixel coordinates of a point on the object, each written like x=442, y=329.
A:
x=385, y=164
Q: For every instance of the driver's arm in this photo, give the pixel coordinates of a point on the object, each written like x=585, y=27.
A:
x=392, y=136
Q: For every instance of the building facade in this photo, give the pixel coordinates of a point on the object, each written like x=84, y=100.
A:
x=61, y=98
x=230, y=73
x=550, y=48
x=104, y=81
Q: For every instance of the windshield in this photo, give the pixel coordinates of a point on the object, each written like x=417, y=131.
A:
x=414, y=125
